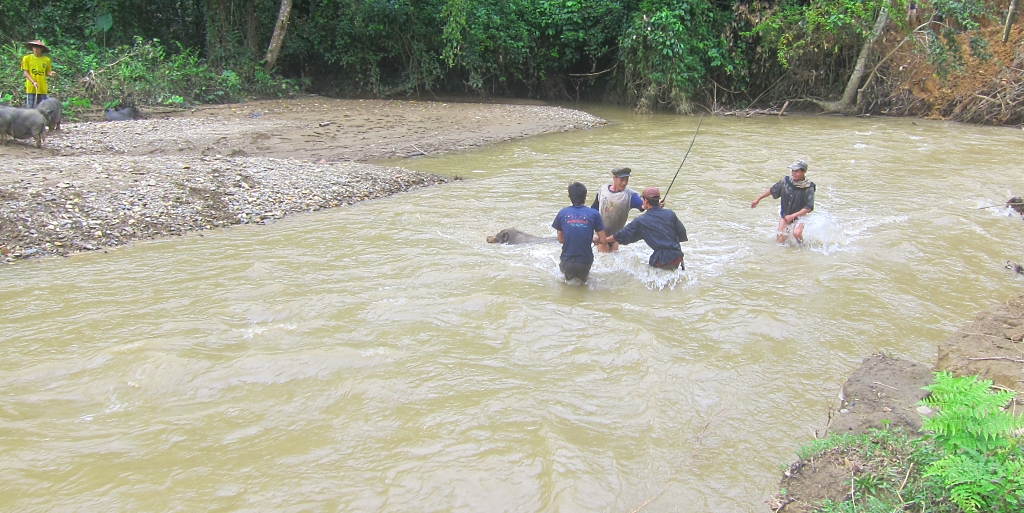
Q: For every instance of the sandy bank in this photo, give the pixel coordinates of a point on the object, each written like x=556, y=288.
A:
x=104, y=184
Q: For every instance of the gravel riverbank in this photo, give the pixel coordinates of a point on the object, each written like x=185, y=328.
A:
x=129, y=198
x=98, y=185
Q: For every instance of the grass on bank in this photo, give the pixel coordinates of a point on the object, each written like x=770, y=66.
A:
x=968, y=457
x=142, y=74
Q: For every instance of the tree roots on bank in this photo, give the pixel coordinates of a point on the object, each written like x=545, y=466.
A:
x=1001, y=102
x=987, y=90
x=980, y=82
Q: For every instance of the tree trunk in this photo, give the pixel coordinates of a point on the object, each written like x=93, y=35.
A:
x=250, y=29
x=1009, y=20
x=217, y=23
x=850, y=95
x=275, y=42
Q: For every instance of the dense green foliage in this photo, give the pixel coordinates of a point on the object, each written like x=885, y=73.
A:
x=654, y=50
x=668, y=49
x=818, y=40
x=651, y=52
x=142, y=73
x=970, y=458
x=800, y=28
x=982, y=462
x=648, y=53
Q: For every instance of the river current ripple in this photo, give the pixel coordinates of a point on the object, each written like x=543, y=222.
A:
x=384, y=357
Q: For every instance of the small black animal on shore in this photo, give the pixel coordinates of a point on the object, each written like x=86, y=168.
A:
x=22, y=124
x=122, y=114
x=51, y=110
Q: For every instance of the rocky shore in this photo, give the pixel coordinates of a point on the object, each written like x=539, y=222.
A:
x=105, y=184
x=130, y=198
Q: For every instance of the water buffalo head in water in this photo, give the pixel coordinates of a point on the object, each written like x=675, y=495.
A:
x=1016, y=203
x=514, y=236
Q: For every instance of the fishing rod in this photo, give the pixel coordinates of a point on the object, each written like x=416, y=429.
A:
x=684, y=157
x=1008, y=204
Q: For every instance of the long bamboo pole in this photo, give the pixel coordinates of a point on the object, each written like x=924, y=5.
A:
x=684, y=156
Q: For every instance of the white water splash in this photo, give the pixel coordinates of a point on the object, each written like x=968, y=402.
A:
x=611, y=270
x=828, y=233
x=823, y=233
x=998, y=211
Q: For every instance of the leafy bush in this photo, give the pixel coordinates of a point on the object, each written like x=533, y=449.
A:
x=73, y=106
x=489, y=47
x=970, y=460
x=668, y=49
x=141, y=74
x=982, y=464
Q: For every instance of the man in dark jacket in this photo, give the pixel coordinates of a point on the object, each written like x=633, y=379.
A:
x=659, y=228
x=797, y=195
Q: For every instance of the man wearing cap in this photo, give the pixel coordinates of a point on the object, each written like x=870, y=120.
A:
x=659, y=228
x=797, y=195
x=576, y=226
x=614, y=202
x=36, y=67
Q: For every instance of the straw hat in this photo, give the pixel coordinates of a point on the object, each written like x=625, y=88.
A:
x=36, y=42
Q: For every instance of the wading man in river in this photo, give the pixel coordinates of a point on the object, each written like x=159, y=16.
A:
x=577, y=226
x=614, y=201
x=659, y=228
x=797, y=195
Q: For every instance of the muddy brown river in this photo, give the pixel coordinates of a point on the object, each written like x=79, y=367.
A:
x=384, y=357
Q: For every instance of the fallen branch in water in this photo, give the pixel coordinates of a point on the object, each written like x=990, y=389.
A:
x=700, y=436
x=753, y=112
x=648, y=501
x=1000, y=358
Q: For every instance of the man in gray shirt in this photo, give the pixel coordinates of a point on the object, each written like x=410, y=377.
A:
x=614, y=202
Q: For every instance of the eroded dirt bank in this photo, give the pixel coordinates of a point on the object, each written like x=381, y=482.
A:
x=885, y=391
x=104, y=184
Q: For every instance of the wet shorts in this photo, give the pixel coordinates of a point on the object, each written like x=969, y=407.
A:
x=671, y=265
x=573, y=270
x=799, y=220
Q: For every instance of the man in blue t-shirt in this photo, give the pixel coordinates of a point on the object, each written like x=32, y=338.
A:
x=797, y=193
x=576, y=226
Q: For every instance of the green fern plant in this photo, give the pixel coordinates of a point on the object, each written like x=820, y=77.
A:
x=982, y=464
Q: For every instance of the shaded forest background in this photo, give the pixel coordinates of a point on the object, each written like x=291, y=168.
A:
x=942, y=58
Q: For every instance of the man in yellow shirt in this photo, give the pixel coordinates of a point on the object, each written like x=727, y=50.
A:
x=36, y=67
